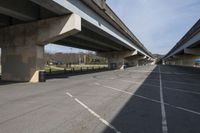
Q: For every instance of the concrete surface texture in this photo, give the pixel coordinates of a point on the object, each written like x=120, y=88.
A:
x=147, y=99
x=23, y=45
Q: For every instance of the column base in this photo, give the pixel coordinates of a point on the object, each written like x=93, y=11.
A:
x=22, y=63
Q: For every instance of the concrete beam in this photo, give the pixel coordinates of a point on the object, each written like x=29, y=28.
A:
x=74, y=45
x=121, y=54
x=96, y=41
x=136, y=57
x=42, y=31
x=20, y=9
x=195, y=51
x=101, y=3
x=86, y=43
x=187, y=44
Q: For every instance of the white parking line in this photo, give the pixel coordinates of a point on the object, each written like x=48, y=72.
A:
x=184, y=91
x=69, y=94
x=183, y=83
x=149, y=99
x=93, y=113
x=139, y=83
x=175, y=82
x=184, y=109
x=164, y=118
x=168, y=88
x=170, y=73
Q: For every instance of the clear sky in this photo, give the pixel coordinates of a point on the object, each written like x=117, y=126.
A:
x=158, y=24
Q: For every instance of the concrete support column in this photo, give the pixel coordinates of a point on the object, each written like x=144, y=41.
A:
x=136, y=60
x=23, y=45
x=116, y=63
x=132, y=62
x=22, y=63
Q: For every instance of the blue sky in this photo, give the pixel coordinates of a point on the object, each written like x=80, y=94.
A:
x=158, y=24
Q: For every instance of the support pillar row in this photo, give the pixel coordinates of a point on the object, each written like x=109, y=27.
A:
x=116, y=59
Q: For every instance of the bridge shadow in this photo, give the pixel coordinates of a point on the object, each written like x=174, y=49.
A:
x=2, y=82
x=140, y=114
x=58, y=75
x=62, y=74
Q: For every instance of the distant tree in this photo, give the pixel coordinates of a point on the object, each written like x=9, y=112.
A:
x=74, y=58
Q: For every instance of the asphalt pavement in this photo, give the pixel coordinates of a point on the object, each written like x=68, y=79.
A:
x=146, y=99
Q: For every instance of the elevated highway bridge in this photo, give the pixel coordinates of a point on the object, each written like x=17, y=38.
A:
x=26, y=26
x=187, y=50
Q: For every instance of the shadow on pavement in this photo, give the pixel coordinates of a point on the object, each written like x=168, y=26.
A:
x=58, y=75
x=8, y=82
x=63, y=74
x=142, y=115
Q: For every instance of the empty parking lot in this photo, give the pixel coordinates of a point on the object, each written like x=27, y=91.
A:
x=146, y=99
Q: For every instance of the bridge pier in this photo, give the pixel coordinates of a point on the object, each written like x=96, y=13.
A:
x=117, y=59
x=116, y=63
x=23, y=45
x=136, y=60
x=22, y=63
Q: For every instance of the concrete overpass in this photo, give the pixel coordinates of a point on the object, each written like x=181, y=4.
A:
x=186, y=50
x=26, y=26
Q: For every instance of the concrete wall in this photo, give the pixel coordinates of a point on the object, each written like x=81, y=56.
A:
x=183, y=60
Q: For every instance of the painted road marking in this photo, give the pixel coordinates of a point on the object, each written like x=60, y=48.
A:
x=184, y=109
x=164, y=118
x=169, y=73
x=184, y=91
x=69, y=94
x=149, y=99
x=139, y=83
x=93, y=113
x=168, y=88
x=176, y=82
